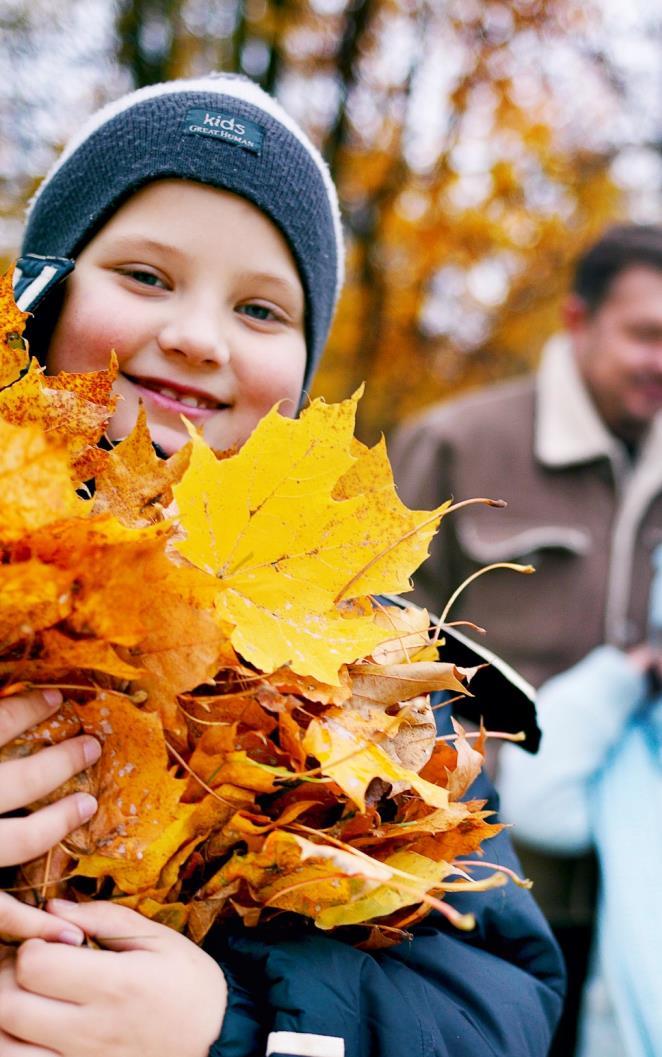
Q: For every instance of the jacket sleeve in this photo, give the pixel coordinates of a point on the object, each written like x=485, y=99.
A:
x=582, y=713
x=494, y=992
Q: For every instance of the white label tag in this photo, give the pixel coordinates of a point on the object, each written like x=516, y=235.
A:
x=302, y=1044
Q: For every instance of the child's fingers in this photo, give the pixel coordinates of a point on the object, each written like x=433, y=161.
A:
x=10, y=1047
x=22, y=711
x=25, y=780
x=34, y=1020
x=117, y=928
x=78, y=975
x=23, y=839
x=23, y=922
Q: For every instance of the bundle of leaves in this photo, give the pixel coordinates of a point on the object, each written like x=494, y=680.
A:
x=268, y=741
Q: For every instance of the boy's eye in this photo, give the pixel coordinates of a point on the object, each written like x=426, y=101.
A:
x=143, y=277
x=255, y=311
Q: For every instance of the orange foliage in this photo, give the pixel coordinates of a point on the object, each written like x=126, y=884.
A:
x=209, y=620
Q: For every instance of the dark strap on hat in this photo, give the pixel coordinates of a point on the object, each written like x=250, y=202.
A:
x=35, y=276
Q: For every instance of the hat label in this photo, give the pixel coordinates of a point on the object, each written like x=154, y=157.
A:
x=221, y=124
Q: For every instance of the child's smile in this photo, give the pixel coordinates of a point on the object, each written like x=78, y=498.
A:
x=198, y=293
x=195, y=403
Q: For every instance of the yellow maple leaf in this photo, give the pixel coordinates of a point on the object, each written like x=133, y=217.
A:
x=393, y=538
x=271, y=631
x=412, y=877
x=422, y=876
x=299, y=531
x=353, y=762
x=410, y=635
x=234, y=511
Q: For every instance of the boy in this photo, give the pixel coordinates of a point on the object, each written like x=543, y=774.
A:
x=208, y=252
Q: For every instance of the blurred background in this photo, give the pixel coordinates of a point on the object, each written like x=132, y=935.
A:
x=478, y=145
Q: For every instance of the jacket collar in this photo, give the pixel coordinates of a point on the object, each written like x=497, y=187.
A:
x=568, y=429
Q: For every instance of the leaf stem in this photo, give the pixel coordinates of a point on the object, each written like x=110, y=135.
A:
x=521, y=882
x=399, y=636
x=474, y=576
x=30, y=888
x=189, y=769
x=504, y=735
x=47, y=870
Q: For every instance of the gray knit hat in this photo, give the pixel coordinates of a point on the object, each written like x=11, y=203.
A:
x=220, y=130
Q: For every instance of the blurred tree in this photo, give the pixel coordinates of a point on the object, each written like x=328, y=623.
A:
x=50, y=84
x=464, y=190
x=464, y=195
x=146, y=32
x=469, y=174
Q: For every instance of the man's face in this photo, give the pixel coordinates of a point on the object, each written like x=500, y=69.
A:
x=199, y=295
x=619, y=350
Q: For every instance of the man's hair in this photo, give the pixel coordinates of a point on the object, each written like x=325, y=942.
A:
x=621, y=247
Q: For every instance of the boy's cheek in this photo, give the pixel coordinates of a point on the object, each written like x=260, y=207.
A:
x=84, y=337
x=276, y=382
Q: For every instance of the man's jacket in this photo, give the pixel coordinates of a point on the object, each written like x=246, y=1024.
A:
x=577, y=510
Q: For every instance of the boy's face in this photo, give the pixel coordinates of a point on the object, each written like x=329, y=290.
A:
x=198, y=293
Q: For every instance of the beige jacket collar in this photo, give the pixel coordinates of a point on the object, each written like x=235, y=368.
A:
x=568, y=428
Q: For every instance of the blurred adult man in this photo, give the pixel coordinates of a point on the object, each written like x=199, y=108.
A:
x=576, y=450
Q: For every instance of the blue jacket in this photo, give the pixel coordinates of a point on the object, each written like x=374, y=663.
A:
x=493, y=992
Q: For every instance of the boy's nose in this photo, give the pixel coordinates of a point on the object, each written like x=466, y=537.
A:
x=196, y=337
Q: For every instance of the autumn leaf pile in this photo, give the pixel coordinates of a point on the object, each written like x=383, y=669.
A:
x=268, y=742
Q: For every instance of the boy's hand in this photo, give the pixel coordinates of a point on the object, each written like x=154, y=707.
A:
x=152, y=994
x=21, y=922
x=25, y=780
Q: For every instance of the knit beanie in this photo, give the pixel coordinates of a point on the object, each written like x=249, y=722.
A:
x=221, y=130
